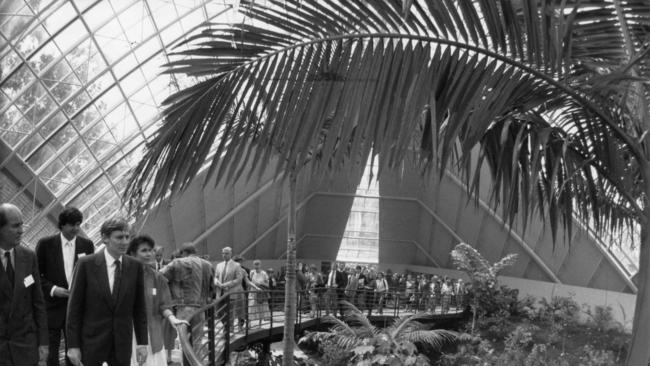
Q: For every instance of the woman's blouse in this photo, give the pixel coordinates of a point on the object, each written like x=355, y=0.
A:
x=157, y=298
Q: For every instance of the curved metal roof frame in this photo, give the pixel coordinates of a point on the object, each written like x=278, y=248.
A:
x=61, y=151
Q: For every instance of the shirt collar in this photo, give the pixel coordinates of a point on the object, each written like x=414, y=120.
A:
x=2, y=252
x=64, y=240
x=109, y=258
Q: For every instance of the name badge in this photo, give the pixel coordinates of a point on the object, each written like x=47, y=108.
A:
x=81, y=255
x=28, y=281
x=153, y=291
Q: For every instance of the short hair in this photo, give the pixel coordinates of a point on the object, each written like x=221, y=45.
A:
x=226, y=249
x=3, y=212
x=114, y=224
x=238, y=258
x=70, y=215
x=257, y=261
x=135, y=243
x=3, y=215
x=188, y=248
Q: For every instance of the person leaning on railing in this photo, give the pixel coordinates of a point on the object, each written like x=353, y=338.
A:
x=191, y=284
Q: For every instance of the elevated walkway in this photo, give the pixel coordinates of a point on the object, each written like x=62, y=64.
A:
x=260, y=328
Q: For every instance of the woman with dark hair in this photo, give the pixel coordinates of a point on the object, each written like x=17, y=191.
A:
x=157, y=299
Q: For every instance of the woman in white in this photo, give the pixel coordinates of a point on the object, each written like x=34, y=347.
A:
x=258, y=300
x=157, y=300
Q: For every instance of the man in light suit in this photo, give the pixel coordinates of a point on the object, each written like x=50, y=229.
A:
x=228, y=280
x=23, y=319
x=160, y=260
x=107, y=303
x=57, y=255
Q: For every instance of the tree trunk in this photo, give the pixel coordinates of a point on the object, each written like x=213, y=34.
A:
x=290, y=297
x=639, y=351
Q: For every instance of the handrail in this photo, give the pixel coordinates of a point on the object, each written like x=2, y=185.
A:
x=221, y=328
x=184, y=335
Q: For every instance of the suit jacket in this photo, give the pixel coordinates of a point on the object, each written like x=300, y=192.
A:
x=23, y=319
x=340, y=279
x=52, y=270
x=354, y=284
x=163, y=264
x=231, y=277
x=95, y=321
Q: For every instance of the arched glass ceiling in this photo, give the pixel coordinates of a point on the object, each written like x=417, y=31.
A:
x=80, y=89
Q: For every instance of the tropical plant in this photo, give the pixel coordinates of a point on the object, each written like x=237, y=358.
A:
x=483, y=287
x=549, y=95
x=359, y=342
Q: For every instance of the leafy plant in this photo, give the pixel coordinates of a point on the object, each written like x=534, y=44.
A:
x=484, y=294
x=356, y=341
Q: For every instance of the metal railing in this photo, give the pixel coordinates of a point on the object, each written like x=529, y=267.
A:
x=239, y=318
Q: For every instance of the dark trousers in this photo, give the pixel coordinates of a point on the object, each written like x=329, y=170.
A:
x=54, y=343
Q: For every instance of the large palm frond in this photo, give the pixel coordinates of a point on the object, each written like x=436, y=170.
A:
x=406, y=324
x=356, y=319
x=453, y=75
x=436, y=338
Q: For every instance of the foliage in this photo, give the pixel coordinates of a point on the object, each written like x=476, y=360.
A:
x=549, y=333
x=477, y=268
x=483, y=291
x=356, y=341
x=547, y=95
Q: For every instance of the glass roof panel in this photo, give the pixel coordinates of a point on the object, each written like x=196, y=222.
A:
x=96, y=64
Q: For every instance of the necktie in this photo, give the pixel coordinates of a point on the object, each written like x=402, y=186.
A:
x=10, y=269
x=223, y=274
x=117, y=278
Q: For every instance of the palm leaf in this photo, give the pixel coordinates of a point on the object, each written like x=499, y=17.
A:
x=436, y=338
x=273, y=90
x=406, y=324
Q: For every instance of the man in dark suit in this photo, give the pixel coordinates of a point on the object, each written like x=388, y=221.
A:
x=107, y=303
x=57, y=255
x=336, y=283
x=23, y=319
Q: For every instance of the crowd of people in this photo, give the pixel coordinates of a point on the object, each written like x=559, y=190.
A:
x=370, y=289
x=120, y=303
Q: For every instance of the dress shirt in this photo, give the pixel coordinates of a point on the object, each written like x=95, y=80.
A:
x=382, y=285
x=12, y=254
x=67, y=250
x=110, y=268
x=331, y=278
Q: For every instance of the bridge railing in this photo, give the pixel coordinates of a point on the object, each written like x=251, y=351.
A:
x=240, y=318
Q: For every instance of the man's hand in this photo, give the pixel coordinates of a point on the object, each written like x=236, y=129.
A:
x=74, y=355
x=43, y=352
x=176, y=322
x=61, y=292
x=141, y=354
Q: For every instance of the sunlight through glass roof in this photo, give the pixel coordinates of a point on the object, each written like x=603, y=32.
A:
x=80, y=87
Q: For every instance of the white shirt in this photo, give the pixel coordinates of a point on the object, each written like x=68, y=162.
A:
x=110, y=268
x=12, y=254
x=67, y=250
x=332, y=278
x=382, y=285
